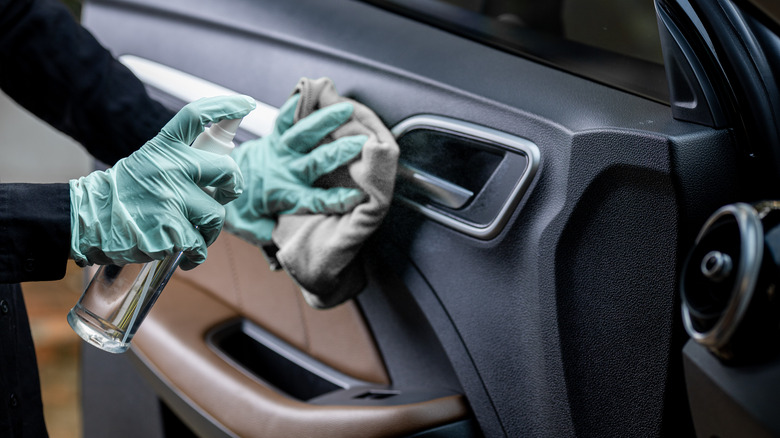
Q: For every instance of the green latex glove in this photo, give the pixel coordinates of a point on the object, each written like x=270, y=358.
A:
x=147, y=206
x=281, y=167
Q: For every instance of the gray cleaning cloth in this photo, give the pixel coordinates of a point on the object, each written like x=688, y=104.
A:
x=320, y=252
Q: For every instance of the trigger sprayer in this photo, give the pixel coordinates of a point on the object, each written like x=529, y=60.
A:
x=118, y=298
x=217, y=139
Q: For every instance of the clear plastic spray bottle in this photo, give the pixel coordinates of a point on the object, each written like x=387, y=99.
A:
x=118, y=298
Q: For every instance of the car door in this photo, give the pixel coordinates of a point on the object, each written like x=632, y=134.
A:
x=525, y=280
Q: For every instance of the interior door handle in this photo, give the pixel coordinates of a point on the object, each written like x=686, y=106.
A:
x=462, y=175
x=432, y=187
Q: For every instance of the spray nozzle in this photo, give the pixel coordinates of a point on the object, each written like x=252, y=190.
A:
x=218, y=138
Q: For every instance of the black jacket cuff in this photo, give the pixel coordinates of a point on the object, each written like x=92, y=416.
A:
x=34, y=231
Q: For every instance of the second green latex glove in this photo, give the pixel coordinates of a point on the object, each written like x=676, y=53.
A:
x=149, y=204
x=281, y=167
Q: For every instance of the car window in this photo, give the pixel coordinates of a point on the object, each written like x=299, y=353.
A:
x=614, y=42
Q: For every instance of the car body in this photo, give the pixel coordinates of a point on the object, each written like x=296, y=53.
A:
x=547, y=304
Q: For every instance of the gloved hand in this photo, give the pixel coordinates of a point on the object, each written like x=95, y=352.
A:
x=147, y=206
x=281, y=167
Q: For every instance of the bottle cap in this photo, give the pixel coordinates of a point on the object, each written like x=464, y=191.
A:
x=218, y=138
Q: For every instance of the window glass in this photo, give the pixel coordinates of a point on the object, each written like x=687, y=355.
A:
x=614, y=42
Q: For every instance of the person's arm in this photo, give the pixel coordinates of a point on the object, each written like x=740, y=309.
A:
x=34, y=231
x=56, y=69
x=149, y=205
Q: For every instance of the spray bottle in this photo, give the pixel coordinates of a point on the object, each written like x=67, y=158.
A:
x=118, y=298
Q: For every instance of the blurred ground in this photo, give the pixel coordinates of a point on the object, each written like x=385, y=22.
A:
x=57, y=348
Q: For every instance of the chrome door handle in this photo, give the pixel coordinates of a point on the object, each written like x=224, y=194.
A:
x=434, y=188
x=488, y=189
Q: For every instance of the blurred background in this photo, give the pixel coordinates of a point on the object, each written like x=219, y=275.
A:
x=34, y=152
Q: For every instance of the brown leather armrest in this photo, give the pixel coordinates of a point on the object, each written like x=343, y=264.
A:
x=171, y=342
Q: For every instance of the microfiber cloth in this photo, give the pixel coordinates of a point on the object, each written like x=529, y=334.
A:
x=321, y=252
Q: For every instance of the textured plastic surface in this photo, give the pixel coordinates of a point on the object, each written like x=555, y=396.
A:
x=564, y=323
x=731, y=401
x=692, y=95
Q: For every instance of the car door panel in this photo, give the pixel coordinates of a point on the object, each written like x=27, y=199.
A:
x=175, y=346
x=562, y=322
x=338, y=338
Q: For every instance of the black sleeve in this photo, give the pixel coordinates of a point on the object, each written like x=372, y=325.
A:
x=57, y=70
x=34, y=232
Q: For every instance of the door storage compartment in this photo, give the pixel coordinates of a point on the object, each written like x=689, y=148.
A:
x=266, y=357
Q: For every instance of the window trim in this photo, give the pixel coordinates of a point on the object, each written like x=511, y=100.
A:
x=576, y=58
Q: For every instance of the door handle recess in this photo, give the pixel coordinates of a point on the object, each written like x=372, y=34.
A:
x=462, y=175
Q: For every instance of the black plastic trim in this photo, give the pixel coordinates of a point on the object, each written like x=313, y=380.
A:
x=693, y=97
x=728, y=401
x=743, y=58
x=460, y=429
